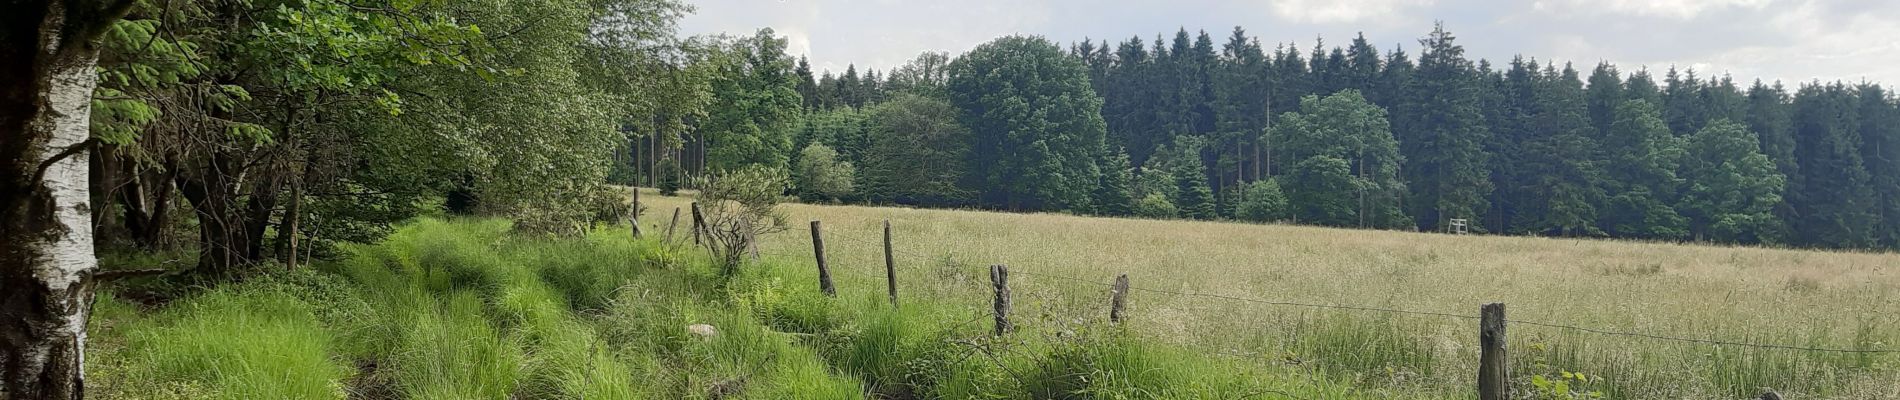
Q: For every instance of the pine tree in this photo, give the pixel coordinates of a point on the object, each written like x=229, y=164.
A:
x=1362, y=65
x=807, y=86
x=1641, y=86
x=1193, y=198
x=1445, y=147
x=1508, y=109
x=1605, y=93
x=1880, y=152
x=1115, y=195
x=1832, y=204
x=1682, y=103
x=1240, y=99
x=1565, y=189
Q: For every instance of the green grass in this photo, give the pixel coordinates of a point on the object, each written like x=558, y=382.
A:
x=1841, y=300
x=255, y=341
x=463, y=309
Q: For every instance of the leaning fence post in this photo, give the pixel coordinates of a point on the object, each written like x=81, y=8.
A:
x=671, y=225
x=1118, y=298
x=633, y=218
x=999, y=277
x=699, y=223
x=1493, y=370
x=890, y=265
x=752, y=240
x=818, y=251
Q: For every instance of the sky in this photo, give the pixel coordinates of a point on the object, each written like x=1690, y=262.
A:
x=1787, y=40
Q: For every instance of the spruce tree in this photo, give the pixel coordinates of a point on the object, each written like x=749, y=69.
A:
x=1115, y=195
x=1445, y=147
x=1831, y=201
x=1605, y=93
x=1880, y=152
x=1565, y=188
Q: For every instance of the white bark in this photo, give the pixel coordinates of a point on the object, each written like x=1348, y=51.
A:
x=66, y=258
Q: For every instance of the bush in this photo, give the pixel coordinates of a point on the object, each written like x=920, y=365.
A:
x=1262, y=202
x=1155, y=206
x=739, y=206
x=821, y=175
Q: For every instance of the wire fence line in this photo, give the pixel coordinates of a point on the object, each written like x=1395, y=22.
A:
x=1598, y=331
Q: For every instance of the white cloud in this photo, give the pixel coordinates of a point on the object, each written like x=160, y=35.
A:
x=1341, y=11
x=1677, y=9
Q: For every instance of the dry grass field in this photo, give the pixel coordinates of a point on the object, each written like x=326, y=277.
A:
x=1834, y=300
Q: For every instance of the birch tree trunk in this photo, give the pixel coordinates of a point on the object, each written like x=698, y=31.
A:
x=48, y=51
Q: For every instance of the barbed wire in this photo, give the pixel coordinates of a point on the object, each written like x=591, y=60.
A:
x=1599, y=331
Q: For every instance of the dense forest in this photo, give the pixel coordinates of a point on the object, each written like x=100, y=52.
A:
x=1350, y=136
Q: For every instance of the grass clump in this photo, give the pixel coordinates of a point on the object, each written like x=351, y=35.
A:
x=257, y=340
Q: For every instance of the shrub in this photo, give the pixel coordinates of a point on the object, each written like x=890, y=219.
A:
x=1262, y=202
x=739, y=206
x=1156, y=206
x=821, y=175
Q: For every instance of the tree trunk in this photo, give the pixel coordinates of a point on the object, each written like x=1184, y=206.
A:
x=48, y=52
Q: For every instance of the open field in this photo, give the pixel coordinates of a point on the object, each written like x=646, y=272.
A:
x=463, y=309
x=1848, y=301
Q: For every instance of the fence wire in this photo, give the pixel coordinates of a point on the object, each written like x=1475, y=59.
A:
x=1598, y=331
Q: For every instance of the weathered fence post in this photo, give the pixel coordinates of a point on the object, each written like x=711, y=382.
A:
x=1118, y=299
x=699, y=223
x=999, y=277
x=633, y=218
x=890, y=265
x=818, y=251
x=1493, y=369
x=752, y=240
x=671, y=225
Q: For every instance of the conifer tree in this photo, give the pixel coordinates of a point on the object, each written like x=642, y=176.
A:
x=1830, y=199
x=1445, y=146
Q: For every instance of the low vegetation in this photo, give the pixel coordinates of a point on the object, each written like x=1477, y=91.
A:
x=463, y=309
x=1837, y=300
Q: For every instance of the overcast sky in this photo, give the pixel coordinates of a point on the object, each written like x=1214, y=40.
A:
x=1790, y=40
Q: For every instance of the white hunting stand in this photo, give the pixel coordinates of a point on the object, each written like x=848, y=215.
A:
x=1458, y=226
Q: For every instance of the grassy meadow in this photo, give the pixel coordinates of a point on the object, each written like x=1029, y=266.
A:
x=1754, y=295
x=463, y=309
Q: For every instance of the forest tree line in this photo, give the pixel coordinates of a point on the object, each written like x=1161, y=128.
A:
x=1351, y=136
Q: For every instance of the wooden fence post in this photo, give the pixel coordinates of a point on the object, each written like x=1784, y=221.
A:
x=818, y=251
x=999, y=277
x=671, y=225
x=633, y=218
x=699, y=223
x=752, y=240
x=890, y=265
x=1494, y=382
x=1118, y=299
